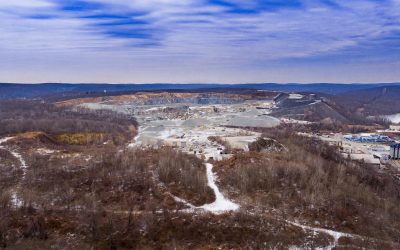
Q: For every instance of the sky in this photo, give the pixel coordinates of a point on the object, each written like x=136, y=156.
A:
x=199, y=41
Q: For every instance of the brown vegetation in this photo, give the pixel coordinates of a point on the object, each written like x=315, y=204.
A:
x=266, y=145
x=313, y=182
x=218, y=139
x=167, y=230
x=103, y=196
x=95, y=199
x=31, y=116
x=79, y=138
x=116, y=180
x=372, y=101
x=184, y=171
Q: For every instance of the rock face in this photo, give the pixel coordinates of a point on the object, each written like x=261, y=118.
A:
x=161, y=98
x=169, y=98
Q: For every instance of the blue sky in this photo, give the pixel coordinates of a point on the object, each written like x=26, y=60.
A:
x=192, y=41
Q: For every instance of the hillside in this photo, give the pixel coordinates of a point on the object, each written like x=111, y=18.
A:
x=81, y=178
x=319, y=108
x=12, y=91
x=101, y=197
x=375, y=101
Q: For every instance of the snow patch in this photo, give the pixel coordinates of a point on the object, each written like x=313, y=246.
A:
x=24, y=166
x=295, y=96
x=5, y=139
x=316, y=102
x=185, y=202
x=137, y=139
x=295, y=121
x=334, y=234
x=221, y=204
x=393, y=118
x=16, y=201
x=45, y=151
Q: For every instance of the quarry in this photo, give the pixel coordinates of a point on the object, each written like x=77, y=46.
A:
x=211, y=125
x=189, y=126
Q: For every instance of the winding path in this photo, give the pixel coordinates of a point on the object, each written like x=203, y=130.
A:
x=220, y=205
x=334, y=234
x=15, y=199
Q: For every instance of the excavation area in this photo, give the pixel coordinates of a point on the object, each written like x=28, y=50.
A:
x=210, y=130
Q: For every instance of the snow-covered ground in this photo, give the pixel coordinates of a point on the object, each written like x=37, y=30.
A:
x=220, y=205
x=393, y=118
x=294, y=121
x=295, y=96
x=15, y=199
x=192, y=207
x=5, y=140
x=136, y=140
x=45, y=151
x=334, y=234
x=316, y=102
x=23, y=164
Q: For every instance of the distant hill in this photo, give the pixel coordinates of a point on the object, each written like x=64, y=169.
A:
x=327, y=88
x=12, y=91
x=355, y=106
x=375, y=101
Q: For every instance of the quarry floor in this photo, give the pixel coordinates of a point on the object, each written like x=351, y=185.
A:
x=189, y=126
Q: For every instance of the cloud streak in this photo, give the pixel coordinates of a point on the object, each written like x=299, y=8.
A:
x=198, y=40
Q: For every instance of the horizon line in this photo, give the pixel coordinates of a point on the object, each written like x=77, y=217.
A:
x=196, y=83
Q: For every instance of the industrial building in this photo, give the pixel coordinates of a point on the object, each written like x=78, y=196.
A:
x=371, y=138
x=395, y=151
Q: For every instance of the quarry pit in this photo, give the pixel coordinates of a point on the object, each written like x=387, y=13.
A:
x=188, y=124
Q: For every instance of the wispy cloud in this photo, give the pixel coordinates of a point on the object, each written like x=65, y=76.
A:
x=195, y=40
